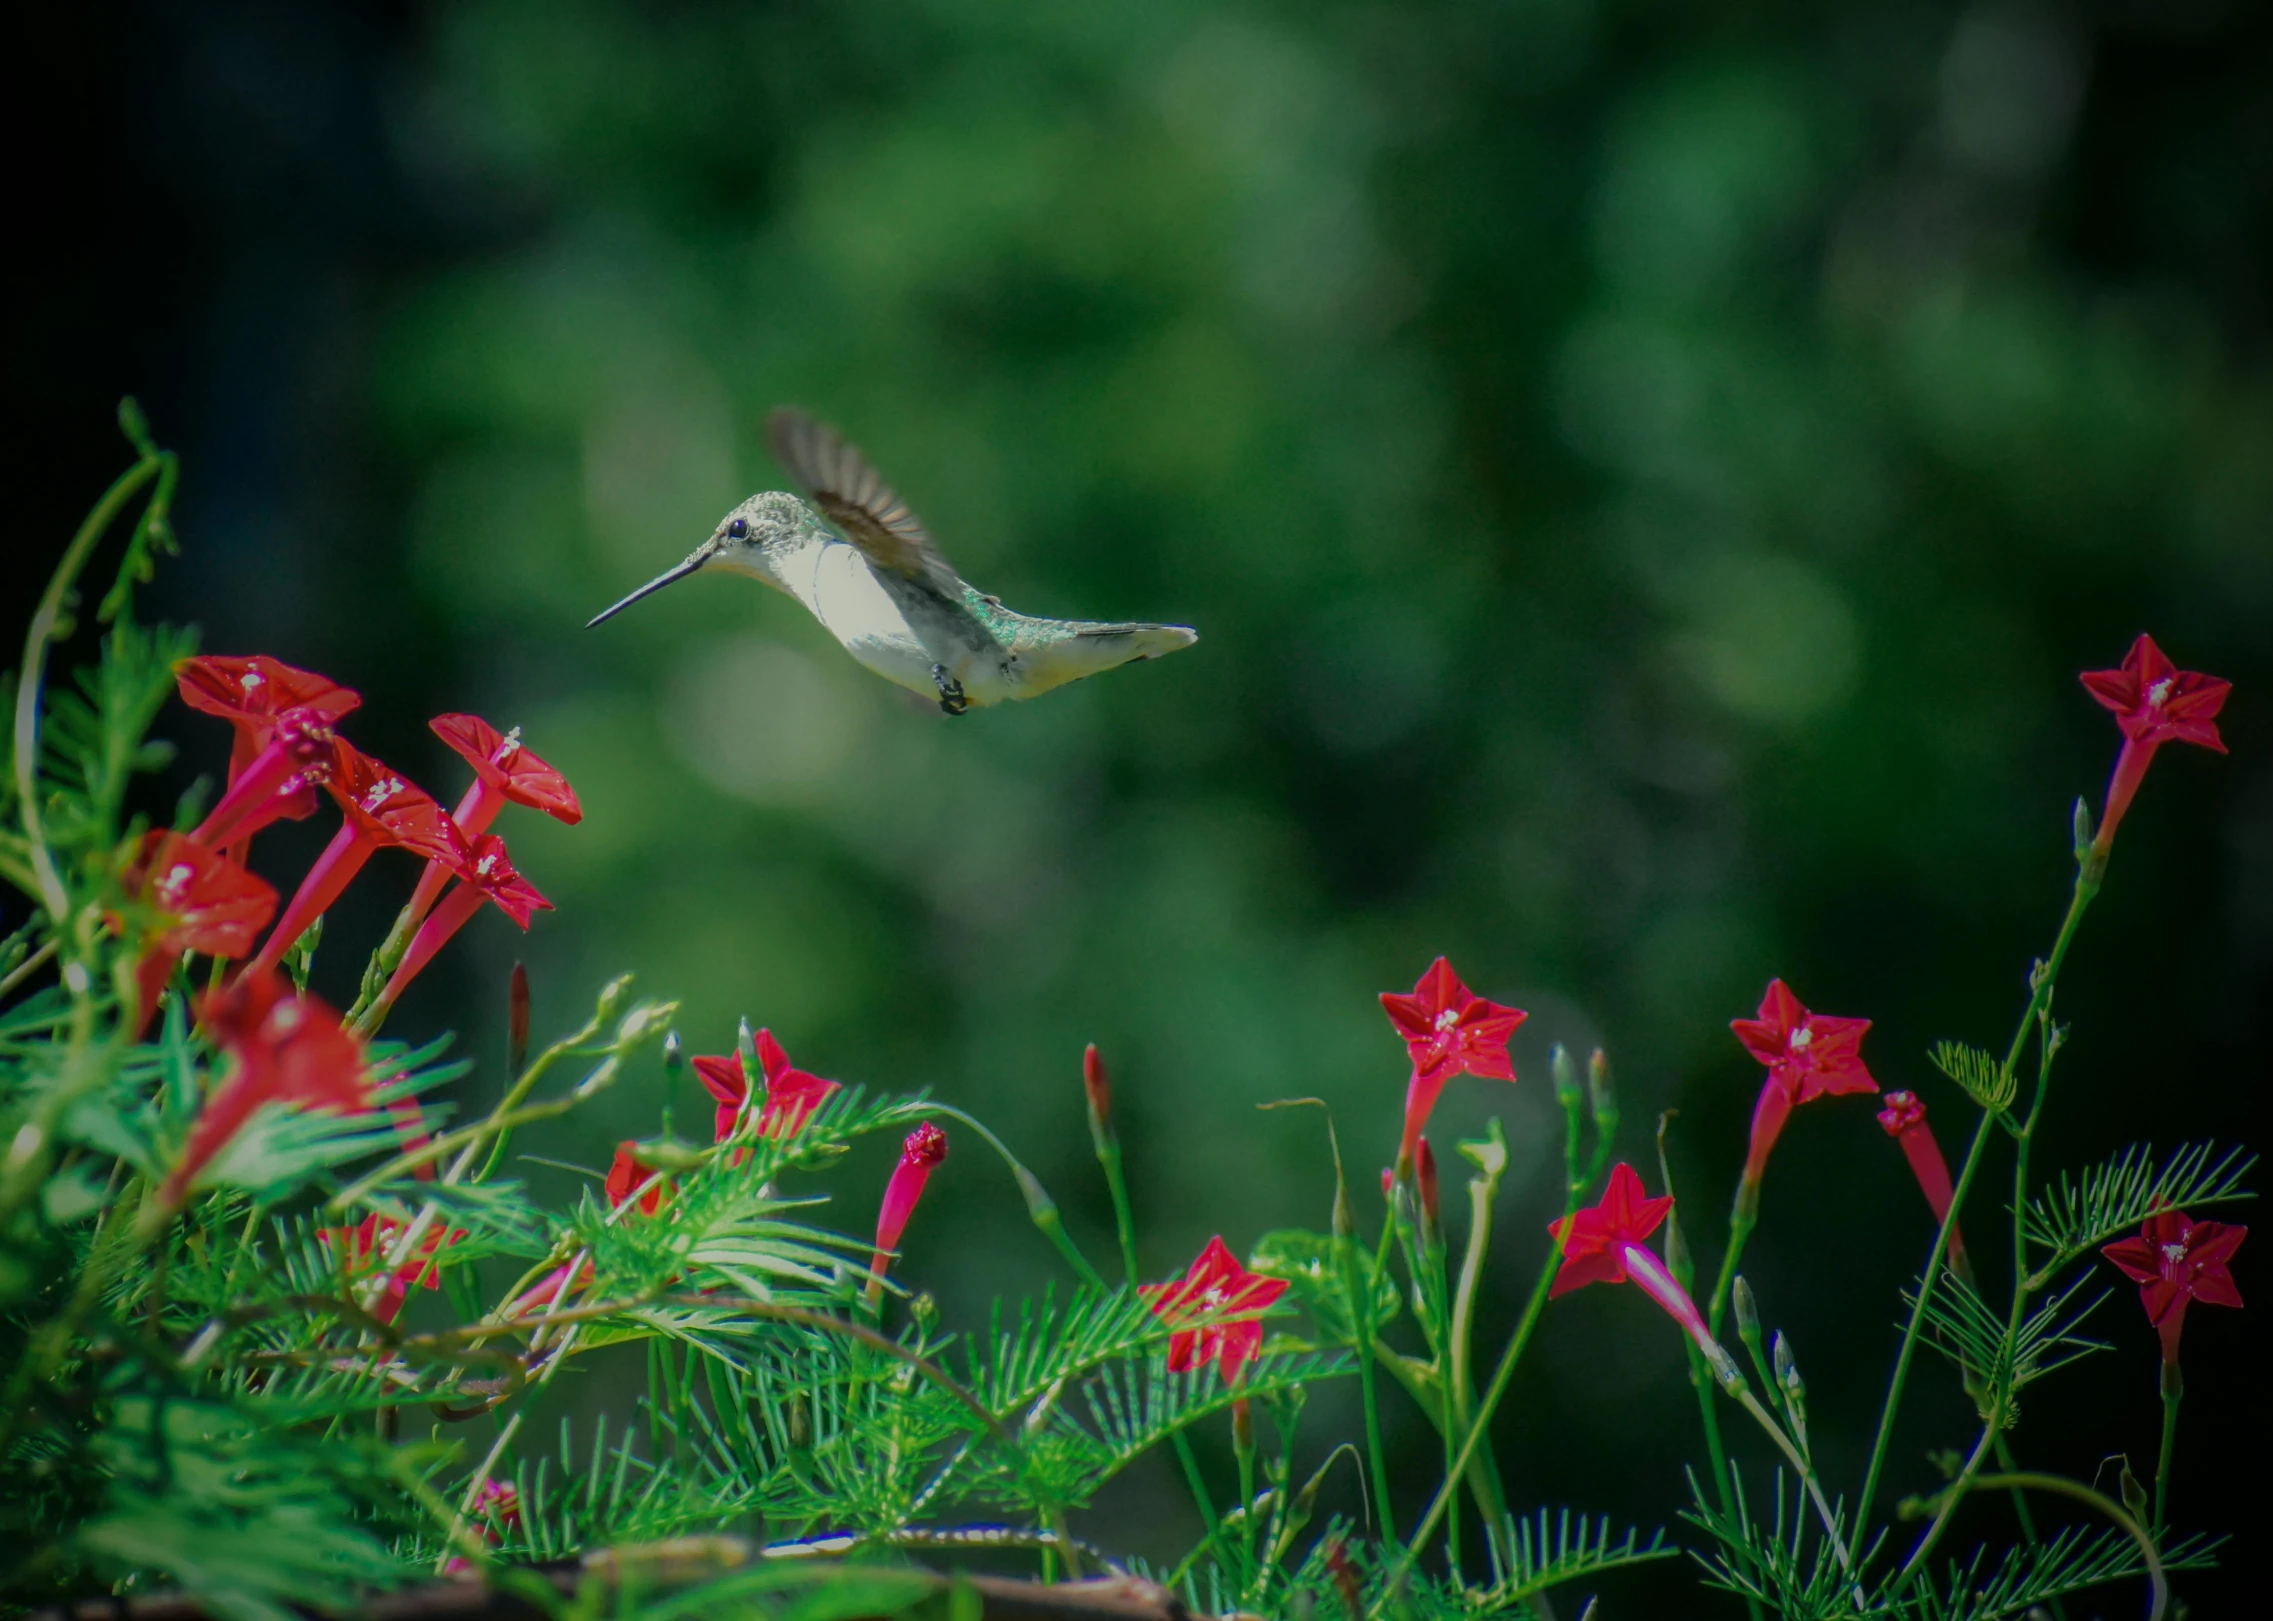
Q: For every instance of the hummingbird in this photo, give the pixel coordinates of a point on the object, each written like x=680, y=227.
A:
x=863, y=564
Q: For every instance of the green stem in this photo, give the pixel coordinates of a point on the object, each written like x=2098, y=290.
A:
x=1910, y=1334
x=2040, y=998
x=1360, y=1303
x=1502, y=1374
x=1199, y=1486
x=32, y=673
x=1124, y=1220
x=1800, y=1466
x=2174, y=1390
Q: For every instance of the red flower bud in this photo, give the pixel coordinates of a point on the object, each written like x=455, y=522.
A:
x=1097, y=1085
x=1904, y=1119
x=920, y=1155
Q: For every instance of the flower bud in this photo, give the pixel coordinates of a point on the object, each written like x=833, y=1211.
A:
x=1787, y=1370
x=1747, y=1311
x=925, y=1311
x=1564, y=1068
x=1424, y=1171
x=1677, y=1259
x=1098, y=1086
x=2083, y=831
x=1242, y=1426
x=2134, y=1494
x=1600, y=1098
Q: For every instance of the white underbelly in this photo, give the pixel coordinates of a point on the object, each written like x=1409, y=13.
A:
x=838, y=587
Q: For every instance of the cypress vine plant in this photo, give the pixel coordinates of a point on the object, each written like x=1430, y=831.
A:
x=274, y=1312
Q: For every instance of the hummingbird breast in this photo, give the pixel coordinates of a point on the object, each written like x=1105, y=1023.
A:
x=898, y=628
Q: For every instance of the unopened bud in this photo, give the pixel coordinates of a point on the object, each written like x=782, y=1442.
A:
x=1747, y=1311
x=1677, y=1259
x=1568, y=1088
x=1099, y=1088
x=517, y=1022
x=1600, y=1097
x=1787, y=1369
x=1242, y=1426
x=1424, y=1171
x=1345, y=1219
x=798, y=1421
x=753, y=1068
x=925, y=1311
x=2082, y=824
x=2134, y=1494
x=673, y=1057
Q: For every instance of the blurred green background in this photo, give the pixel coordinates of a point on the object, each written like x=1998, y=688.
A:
x=1645, y=476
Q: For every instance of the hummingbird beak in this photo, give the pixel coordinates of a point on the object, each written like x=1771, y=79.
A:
x=703, y=554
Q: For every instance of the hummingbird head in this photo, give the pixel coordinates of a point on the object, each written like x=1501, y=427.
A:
x=745, y=541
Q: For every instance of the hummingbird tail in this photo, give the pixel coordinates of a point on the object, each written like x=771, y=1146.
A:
x=1093, y=648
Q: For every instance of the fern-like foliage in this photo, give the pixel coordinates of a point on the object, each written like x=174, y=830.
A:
x=1554, y=1546
x=1973, y=1335
x=1983, y=1078
x=1786, y=1563
x=2067, y=1562
x=2076, y=1214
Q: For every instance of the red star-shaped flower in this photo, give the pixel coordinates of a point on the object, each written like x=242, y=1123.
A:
x=1214, y=1286
x=1609, y=1244
x=2174, y=1261
x=201, y=901
x=2155, y=703
x=1809, y=1055
x=1595, y=1241
x=792, y=1094
x=1448, y=1031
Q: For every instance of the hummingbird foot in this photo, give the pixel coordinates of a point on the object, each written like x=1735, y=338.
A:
x=951, y=698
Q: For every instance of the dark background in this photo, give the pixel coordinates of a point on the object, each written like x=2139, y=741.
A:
x=1646, y=476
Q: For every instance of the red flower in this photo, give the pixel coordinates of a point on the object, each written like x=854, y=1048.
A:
x=381, y=810
x=204, y=902
x=1904, y=1119
x=1809, y=1055
x=1449, y=1031
x=488, y=875
x=1606, y=1245
x=920, y=1155
x=627, y=1175
x=287, y=1049
x=1214, y=1286
x=499, y=1505
x=2175, y=1260
x=2155, y=703
x=791, y=1093
x=368, y=1243
x=280, y=781
x=252, y=694
x=503, y=771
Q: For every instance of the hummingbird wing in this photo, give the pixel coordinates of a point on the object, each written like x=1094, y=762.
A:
x=853, y=496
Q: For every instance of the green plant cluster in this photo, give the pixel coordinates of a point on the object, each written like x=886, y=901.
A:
x=207, y=1397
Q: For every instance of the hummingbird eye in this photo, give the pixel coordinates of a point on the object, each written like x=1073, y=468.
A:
x=739, y=529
